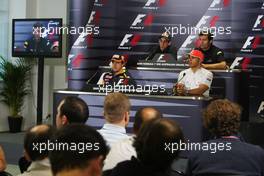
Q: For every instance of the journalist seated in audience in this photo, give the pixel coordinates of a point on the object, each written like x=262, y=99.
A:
x=124, y=150
x=153, y=157
x=71, y=109
x=83, y=153
x=116, y=114
x=34, y=137
x=2, y=160
x=228, y=155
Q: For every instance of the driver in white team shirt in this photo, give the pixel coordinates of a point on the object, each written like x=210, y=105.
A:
x=196, y=80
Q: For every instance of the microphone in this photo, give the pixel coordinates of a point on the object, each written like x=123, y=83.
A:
x=175, y=88
x=181, y=78
x=90, y=79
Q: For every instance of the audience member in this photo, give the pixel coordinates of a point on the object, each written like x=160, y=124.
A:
x=124, y=150
x=229, y=155
x=71, y=110
x=35, y=137
x=116, y=114
x=2, y=160
x=153, y=157
x=83, y=152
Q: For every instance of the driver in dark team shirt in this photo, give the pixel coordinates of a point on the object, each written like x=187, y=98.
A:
x=213, y=56
x=118, y=74
x=37, y=43
x=164, y=47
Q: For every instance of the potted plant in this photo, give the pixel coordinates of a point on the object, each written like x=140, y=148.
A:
x=14, y=78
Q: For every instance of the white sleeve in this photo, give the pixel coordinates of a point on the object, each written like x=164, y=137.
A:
x=207, y=79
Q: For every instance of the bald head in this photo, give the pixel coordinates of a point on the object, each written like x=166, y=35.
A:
x=144, y=115
x=39, y=129
x=37, y=135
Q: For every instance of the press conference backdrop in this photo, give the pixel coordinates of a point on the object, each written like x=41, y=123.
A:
x=132, y=28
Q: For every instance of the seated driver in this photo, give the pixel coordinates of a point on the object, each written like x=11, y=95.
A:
x=118, y=74
x=196, y=80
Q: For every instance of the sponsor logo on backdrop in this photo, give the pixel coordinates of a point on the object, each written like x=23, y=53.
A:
x=154, y=4
x=84, y=41
x=241, y=63
x=188, y=41
x=262, y=6
x=141, y=21
x=129, y=41
x=70, y=57
x=259, y=24
x=251, y=44
x=218, y=5
x=193, y=32
x=261, y=109
x=100, y=3
x=94, y=18
x=163, y=58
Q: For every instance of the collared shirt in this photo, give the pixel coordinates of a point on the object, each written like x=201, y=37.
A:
x=113, y=133
x=192, y=80
x=120, y=151
x=121, y=78
x=213, y=55
x=39, y=168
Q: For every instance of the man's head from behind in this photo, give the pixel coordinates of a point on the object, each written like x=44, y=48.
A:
x=116, y=108
x=222, y=118
x=71, y=110
x=83, y=152
x=151, y=141
x=144, y=115
x=36, y=138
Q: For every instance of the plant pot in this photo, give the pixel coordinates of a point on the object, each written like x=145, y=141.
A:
x=15, y=124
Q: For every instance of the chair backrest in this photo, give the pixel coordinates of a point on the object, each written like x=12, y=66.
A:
x=5, y=174
x=177, y=172
x=221, y=174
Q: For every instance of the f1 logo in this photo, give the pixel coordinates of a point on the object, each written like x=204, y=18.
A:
x=138, y=19
x=248, y=42
x=214, y=3
x=126, y=39
x=261, y=107
x=259, y=21
x=149, y=2
x=80, y=39
x=217, y=2
x=202, y=21
x=91, y=18
x=236, y=62
x=252, y=41
x=188, y=41
x=161, y=58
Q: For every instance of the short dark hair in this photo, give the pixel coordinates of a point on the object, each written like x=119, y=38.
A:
x=206, y=33
x=75, y=109
x=141, y=116
x=74, y=159
x=36, y=137
x=151, y=140
x=222, y=117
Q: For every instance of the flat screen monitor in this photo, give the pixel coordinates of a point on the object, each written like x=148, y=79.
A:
x=37, y=37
